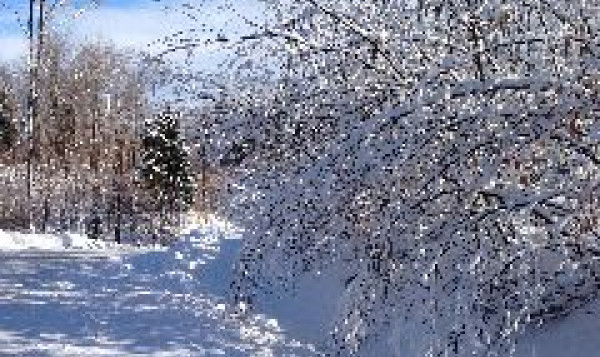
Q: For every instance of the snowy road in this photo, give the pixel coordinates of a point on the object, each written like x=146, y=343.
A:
x=153, y=304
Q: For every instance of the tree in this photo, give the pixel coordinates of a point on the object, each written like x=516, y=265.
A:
x=91, y=104
x=445, y=152
x=165, y=164
x=8, y=128
x=450, y=157
x=91, y=101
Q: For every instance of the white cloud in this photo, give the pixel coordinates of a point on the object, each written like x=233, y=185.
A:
x=139, y=27
x=136, y=27
x=127, y=27
x=11, y=47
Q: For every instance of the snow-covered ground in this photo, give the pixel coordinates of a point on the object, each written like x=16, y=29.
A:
x=577, y=335
x=69, y=296
x=62, y=302
x=16, y=241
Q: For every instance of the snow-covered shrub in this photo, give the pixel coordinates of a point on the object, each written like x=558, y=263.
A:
x=447, y=154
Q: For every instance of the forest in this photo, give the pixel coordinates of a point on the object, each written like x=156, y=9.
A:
x=434, y=164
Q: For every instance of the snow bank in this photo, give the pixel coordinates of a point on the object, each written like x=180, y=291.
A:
x=576, y=335
x=309, y=310
x=14, y=241
x=64, y=243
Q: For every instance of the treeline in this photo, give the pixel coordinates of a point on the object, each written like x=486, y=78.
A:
x=74, y=143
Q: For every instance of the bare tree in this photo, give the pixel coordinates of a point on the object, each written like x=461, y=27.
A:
x=92, y=101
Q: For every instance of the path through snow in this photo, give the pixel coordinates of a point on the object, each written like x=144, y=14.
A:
x=157, y=303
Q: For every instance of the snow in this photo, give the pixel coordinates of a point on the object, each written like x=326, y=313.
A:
x=174, y=302
x=309, y=310
x=144, y=303
x=19, y=241
x=65, y=243
x=577, y=335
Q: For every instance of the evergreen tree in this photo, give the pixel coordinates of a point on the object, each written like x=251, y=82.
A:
x=8, y=131
x=166, y=167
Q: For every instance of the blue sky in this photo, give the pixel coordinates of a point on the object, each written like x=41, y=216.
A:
x=127, y=23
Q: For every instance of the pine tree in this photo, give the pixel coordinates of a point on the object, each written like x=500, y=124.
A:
x=8, y=131
x=166, y=167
